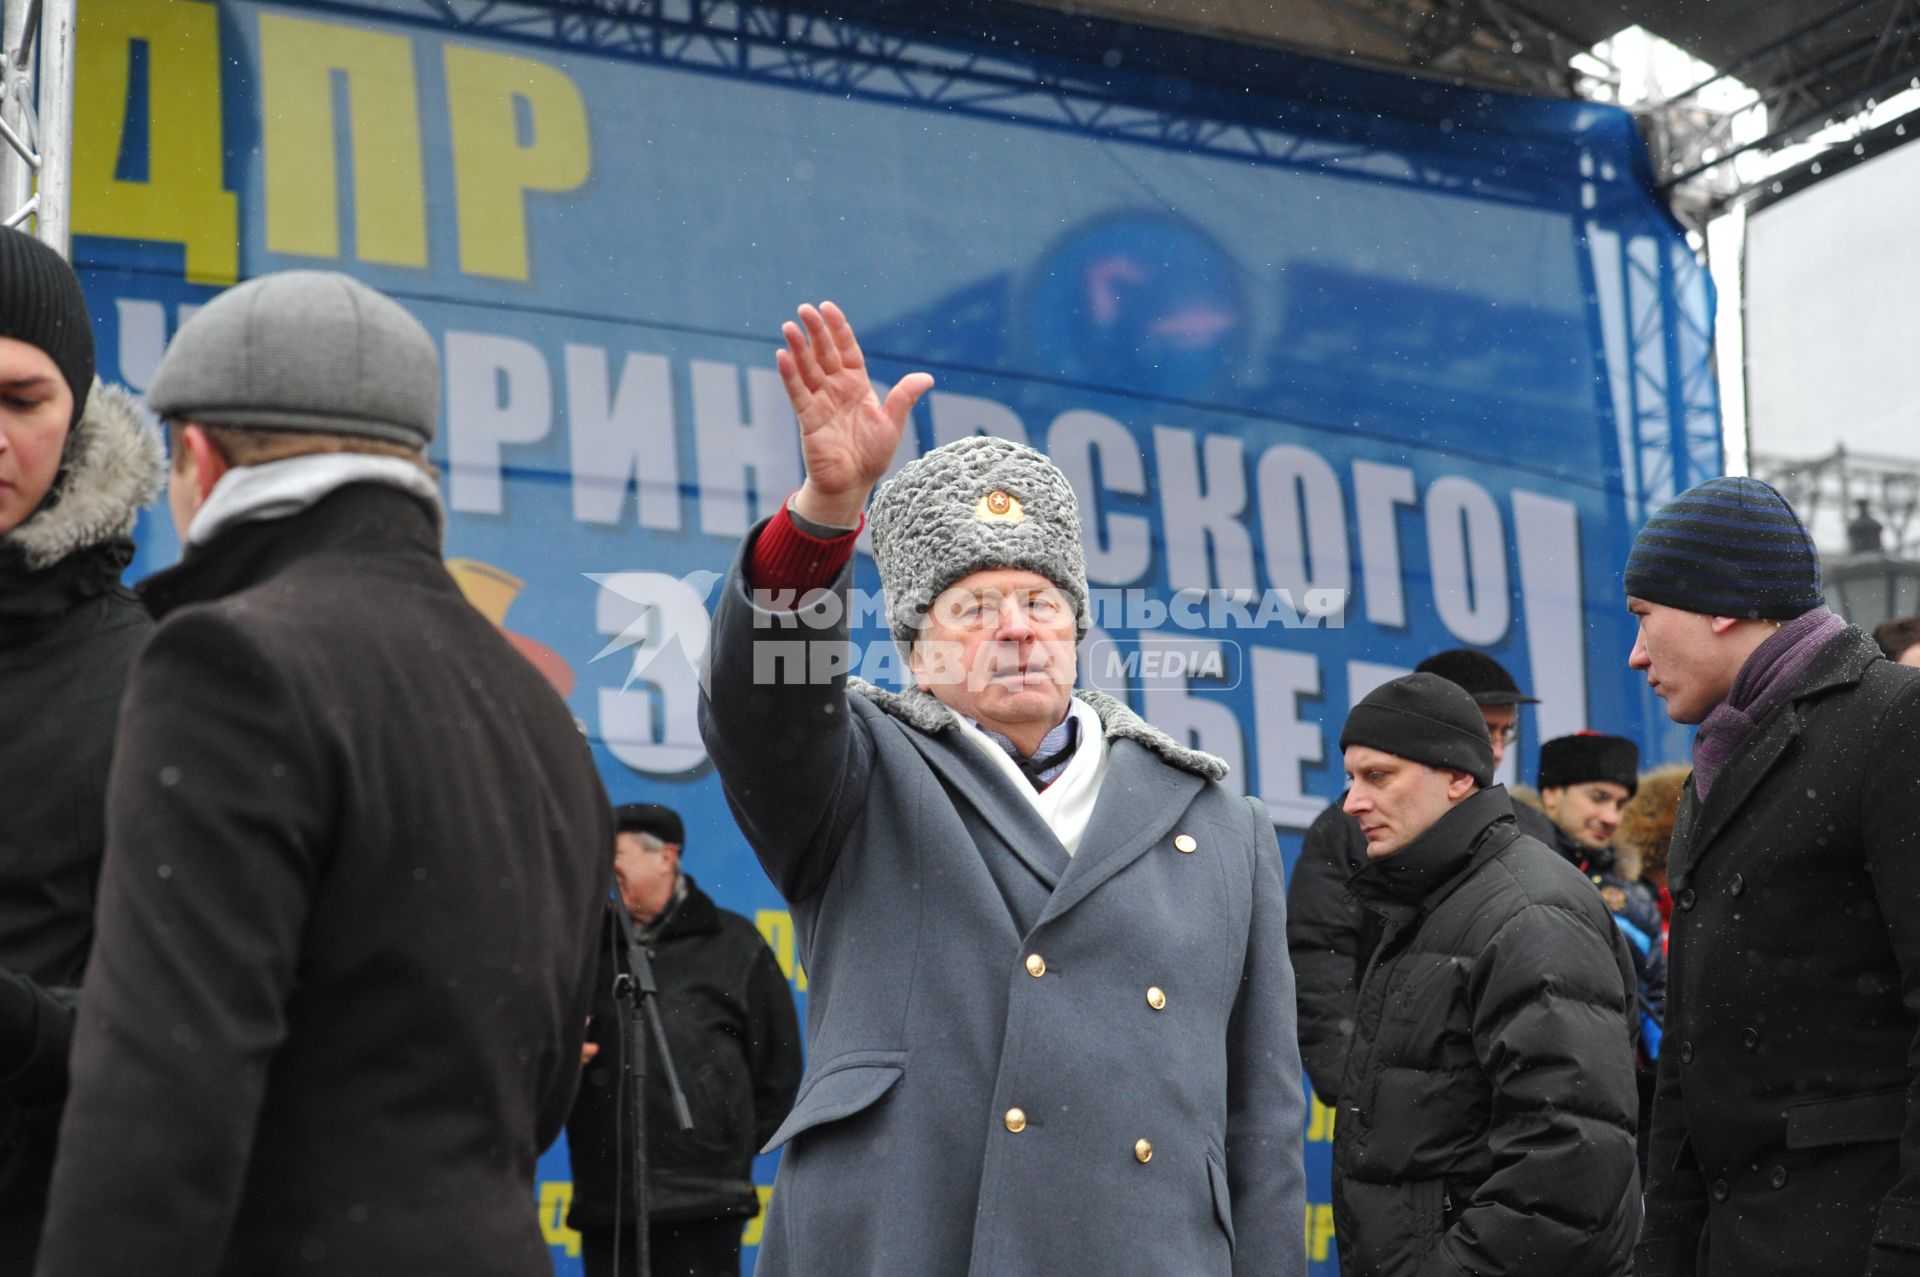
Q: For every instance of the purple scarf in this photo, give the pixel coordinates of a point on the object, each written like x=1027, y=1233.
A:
x=1762, y=684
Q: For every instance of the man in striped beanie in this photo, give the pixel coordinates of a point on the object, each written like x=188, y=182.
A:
x=1781, y=1119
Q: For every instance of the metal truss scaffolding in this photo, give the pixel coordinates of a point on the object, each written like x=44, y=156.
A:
x=1037, y=67
x=1660, y=348
x=1810, y=79
x=1847, y=485
x=36, y=117
x=1024, y=64
x=1481, y=41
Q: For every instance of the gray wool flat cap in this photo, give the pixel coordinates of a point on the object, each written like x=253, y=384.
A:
x=303, y=350
x=974, y=504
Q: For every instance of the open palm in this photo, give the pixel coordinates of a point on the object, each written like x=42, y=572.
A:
x=848, y=435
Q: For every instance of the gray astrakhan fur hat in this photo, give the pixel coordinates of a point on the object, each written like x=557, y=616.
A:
x=974, y=504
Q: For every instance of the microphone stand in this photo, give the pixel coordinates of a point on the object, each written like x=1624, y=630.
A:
x=636, y=994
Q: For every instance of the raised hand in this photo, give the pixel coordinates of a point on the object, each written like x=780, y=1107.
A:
x=848, y=435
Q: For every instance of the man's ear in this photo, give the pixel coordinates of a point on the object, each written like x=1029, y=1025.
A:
x=1721, y=624
x=204, y=462
x=1459, y=785
x=1551, y=795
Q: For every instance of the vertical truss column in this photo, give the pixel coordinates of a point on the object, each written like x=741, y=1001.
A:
x=36, y=117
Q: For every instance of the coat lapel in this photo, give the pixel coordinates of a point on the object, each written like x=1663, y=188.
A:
x=1140, y=801
x=1680, y=845
x=1015, y=819
x=1736, y=783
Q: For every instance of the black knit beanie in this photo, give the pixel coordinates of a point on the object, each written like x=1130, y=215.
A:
x=1728, y=547
x=1427, y=719
x=42, y=305
x=1485, y=679
x=1590, y=756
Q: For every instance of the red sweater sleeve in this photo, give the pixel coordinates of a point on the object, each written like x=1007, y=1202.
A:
x=785, y=558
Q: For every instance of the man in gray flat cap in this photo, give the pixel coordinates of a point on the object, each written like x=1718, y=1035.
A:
x=1487, y=1102
x=1051, y=1015
x=356, y=848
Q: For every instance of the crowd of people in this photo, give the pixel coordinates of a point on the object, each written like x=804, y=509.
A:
x=307, y=951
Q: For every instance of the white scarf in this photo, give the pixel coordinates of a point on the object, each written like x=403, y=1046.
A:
x=286, y=487
x=1067, y=804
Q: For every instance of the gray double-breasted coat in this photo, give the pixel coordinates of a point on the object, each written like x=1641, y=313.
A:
x=1020, y=1062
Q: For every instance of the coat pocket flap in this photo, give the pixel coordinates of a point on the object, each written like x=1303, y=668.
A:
x=1849, y=1119
x=843, y=1086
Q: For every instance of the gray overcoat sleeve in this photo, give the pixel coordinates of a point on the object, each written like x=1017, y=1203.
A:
x=775, y=720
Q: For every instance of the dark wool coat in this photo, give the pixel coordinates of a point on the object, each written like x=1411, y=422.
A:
x=730, y=1023
x=1020, y=1062
x=356, y=856
x=1487, y=1109
x=68, y=634
x=1331, y=936
x=1787, y=1123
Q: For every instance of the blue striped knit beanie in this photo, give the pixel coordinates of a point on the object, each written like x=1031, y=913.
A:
x=1727, y=547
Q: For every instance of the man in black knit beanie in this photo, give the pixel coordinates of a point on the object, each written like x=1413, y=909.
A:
x=1487, y=1103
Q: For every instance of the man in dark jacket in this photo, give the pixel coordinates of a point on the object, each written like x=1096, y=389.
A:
x=356, y=847
x=1486, y=1111
x=1786, y=1125
x=1330, y=934
x=735, y=1042
x=77, y=462
x=1585, y=781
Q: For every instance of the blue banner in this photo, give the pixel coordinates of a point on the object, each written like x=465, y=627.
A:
x=1346, y=368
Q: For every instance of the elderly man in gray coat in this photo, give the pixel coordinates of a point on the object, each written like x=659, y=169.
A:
x=1050, y=1020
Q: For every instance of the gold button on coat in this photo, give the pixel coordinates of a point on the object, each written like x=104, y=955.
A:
x=1143, y=1151
x=1016, y=1120
x=1036, y=965
x=1185, y=843
x=1158, y=1001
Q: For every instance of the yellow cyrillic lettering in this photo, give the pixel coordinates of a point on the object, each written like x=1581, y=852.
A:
x=776, y=925
x=181, y=201
x=1319, y=1230
x=297, y=60
x=1320, y=1124
x=751, y=1235
x=493, y=167
x=555, y=1198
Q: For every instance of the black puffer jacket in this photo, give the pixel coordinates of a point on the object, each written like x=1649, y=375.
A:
x=1487, y=1109
x=1331, y=935
x=68, y=632
x=736, y=1045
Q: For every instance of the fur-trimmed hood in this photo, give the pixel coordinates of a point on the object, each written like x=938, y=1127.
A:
x=920, y=708
x=113, y=465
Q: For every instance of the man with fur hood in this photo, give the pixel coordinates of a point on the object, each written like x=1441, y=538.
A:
x=1050, y=1012
x=77, y=461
